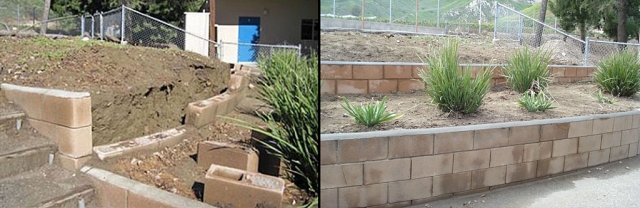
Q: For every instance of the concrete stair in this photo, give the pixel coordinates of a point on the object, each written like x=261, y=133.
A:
x=27, y=178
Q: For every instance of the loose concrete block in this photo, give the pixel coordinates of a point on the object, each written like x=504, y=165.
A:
x=453, y=142
x=619, y=153
x=524, y=134
x=554, y=131
x=629, y=136
x=602, y=125
x=589, y=143
x=410, y=189
x=68, y=109
x=71, y=163
x=622, y=123
x=491, y=138
x=329, y=198
x=238, y=83
x=636, y=121
x=109, y=194
x=367, y=72
x=576, y=161
x=397, y=72
x=388, y=170
x=226, y=186
x=359, y=150
x=506, y=155
x=633, y=149
x=410, y=146
x=599, y=157
x=450, y=183
x=74, y=142
x=565, y=147
x=522, y=171
x=611, y=139
x=228, y=155
x=30, y=99
x=328, y=153
x=580, y=128
x=431, y=165
x=334, y=176
x=204, y=112
x=488, y=177
x=471, y=160
x=550, y=166
x=363, y=196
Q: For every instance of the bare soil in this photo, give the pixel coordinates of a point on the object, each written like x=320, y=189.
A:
x=499, y=105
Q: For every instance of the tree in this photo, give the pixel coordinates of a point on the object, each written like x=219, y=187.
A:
x=543, y=13
x=45, y=17
x=573, y=14
x=622, y=21
x=608, y=18
x=356, y=11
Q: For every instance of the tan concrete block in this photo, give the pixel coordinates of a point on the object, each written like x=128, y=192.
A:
x=410, y=146
x=488, y=177
x=550, y=166
x=522, y=171
x=383, y=86
x=582, y=72
x=328, y=87
x=70, y=163
x=410, y=85
x=329, y=198
x=201, y=113
x=66, y=109
x=599, y=157
x=472, y=160
x=636, y=121
x=335, y=176
x=546, y=148
x=622, y=123
x=531, y=152
x=524, y=134
x=629, y=136
x=570, y=72
x=611, y=139
x=136, y=200
x=506, y=155
x=238, y=83
x=358, y=150
x=576, y=161
x=30, y=99
x=387, y=170
x=410, y=189
x=565, y=147
x=619, y=153
x=352, y=87
x=490, y=138
x=397, y=72
x=228, y=155
x=431, y=165
x=580, y=128
x=602, y=125
x=367, y=72
x=328, y=153
x=633, y=149
x=392, y=205
x=363, y=196
x=336, y=71
x=110, y=195
x=554, y=131
x=416, y=71
x=451, y=183
x=74, y=142
x=233, y=187
x=589, y=143
x=453, y=142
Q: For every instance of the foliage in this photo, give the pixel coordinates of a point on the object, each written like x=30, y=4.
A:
x=619, y=73
x=573, y=14
x=603, y=99
x=356, y=11
x=371, y=114
x=533, y=101
x=448, y=87
x=526, y=67
x=606, y=17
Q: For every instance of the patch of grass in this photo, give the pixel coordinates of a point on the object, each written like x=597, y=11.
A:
x=603, y=99
x=619, y=74
x=533, y=101
x=527, y=67
x=449, y=88
x=370, y=114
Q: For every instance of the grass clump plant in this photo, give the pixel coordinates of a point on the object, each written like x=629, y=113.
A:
x=619, y=74
x=450, y=88
x=533, y=101
x=370, y=114
x=527, y=66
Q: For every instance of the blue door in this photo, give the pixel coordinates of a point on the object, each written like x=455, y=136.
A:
x=248, y=32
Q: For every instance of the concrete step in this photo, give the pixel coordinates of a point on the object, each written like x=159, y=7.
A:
x=47, y=186
x=11, y=116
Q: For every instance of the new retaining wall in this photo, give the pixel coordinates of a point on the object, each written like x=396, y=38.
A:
x=402, y=167
x=388, y=77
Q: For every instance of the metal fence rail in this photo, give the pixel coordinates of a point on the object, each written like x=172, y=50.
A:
x=598, y=50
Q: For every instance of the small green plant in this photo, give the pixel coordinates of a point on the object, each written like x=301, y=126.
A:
x=450, y=88
x=527, y=66
x=619, y=74
x=370, y=114
x=603, y=99
x=533, y=101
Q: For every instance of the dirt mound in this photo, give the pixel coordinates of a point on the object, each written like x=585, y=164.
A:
x=564, y=52
x=135, y=90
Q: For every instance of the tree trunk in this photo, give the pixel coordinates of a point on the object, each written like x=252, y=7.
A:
x=583, y=33
x=543, y=12
x=622, y=22
x=45, y=17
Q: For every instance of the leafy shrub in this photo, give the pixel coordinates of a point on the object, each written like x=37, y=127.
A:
x=526, y=67
x=533, y=101
x=450, y=88
x=619, y=74
x=371, y=114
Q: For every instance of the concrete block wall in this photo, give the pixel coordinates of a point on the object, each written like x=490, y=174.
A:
x=62, y=116
x=404, y=167
x=379, y=77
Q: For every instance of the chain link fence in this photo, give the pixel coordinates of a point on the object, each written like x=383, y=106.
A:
x=23, y=17
x=598, y=50
x=250, y=52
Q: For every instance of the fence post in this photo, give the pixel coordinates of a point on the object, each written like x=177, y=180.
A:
x=586, y=52
x=300, y=50
x=101, y=27
x=520, y=23
x=93, y=22
x=495, y=21
x=122, y=25
x=82, y=25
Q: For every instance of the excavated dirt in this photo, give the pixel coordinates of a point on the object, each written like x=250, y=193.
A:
x=499, y=105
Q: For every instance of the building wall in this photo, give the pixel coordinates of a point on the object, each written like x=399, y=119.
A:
x=228, y=33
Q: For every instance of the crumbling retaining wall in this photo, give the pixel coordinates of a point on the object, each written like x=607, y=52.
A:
x=404, y=167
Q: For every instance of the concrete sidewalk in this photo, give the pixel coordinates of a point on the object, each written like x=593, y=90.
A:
x=611, y=185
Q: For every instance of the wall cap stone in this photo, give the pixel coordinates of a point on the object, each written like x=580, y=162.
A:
x=422, y=64
x=51, y=92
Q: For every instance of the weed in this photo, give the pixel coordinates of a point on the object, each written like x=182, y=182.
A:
x=603, y=99
x=370, y=114
x=533, y=101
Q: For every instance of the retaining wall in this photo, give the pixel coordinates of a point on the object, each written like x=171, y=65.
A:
x=403, y=167
x=387, y=77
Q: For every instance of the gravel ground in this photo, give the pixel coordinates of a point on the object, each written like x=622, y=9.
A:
x=611, y=185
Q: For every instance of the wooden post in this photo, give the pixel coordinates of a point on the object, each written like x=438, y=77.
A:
x=212, y=27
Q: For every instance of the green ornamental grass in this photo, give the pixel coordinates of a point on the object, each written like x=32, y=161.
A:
x=619, y=74
x=526, y=67
x=370, y=114
x=450, y=88
x=533, y=101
